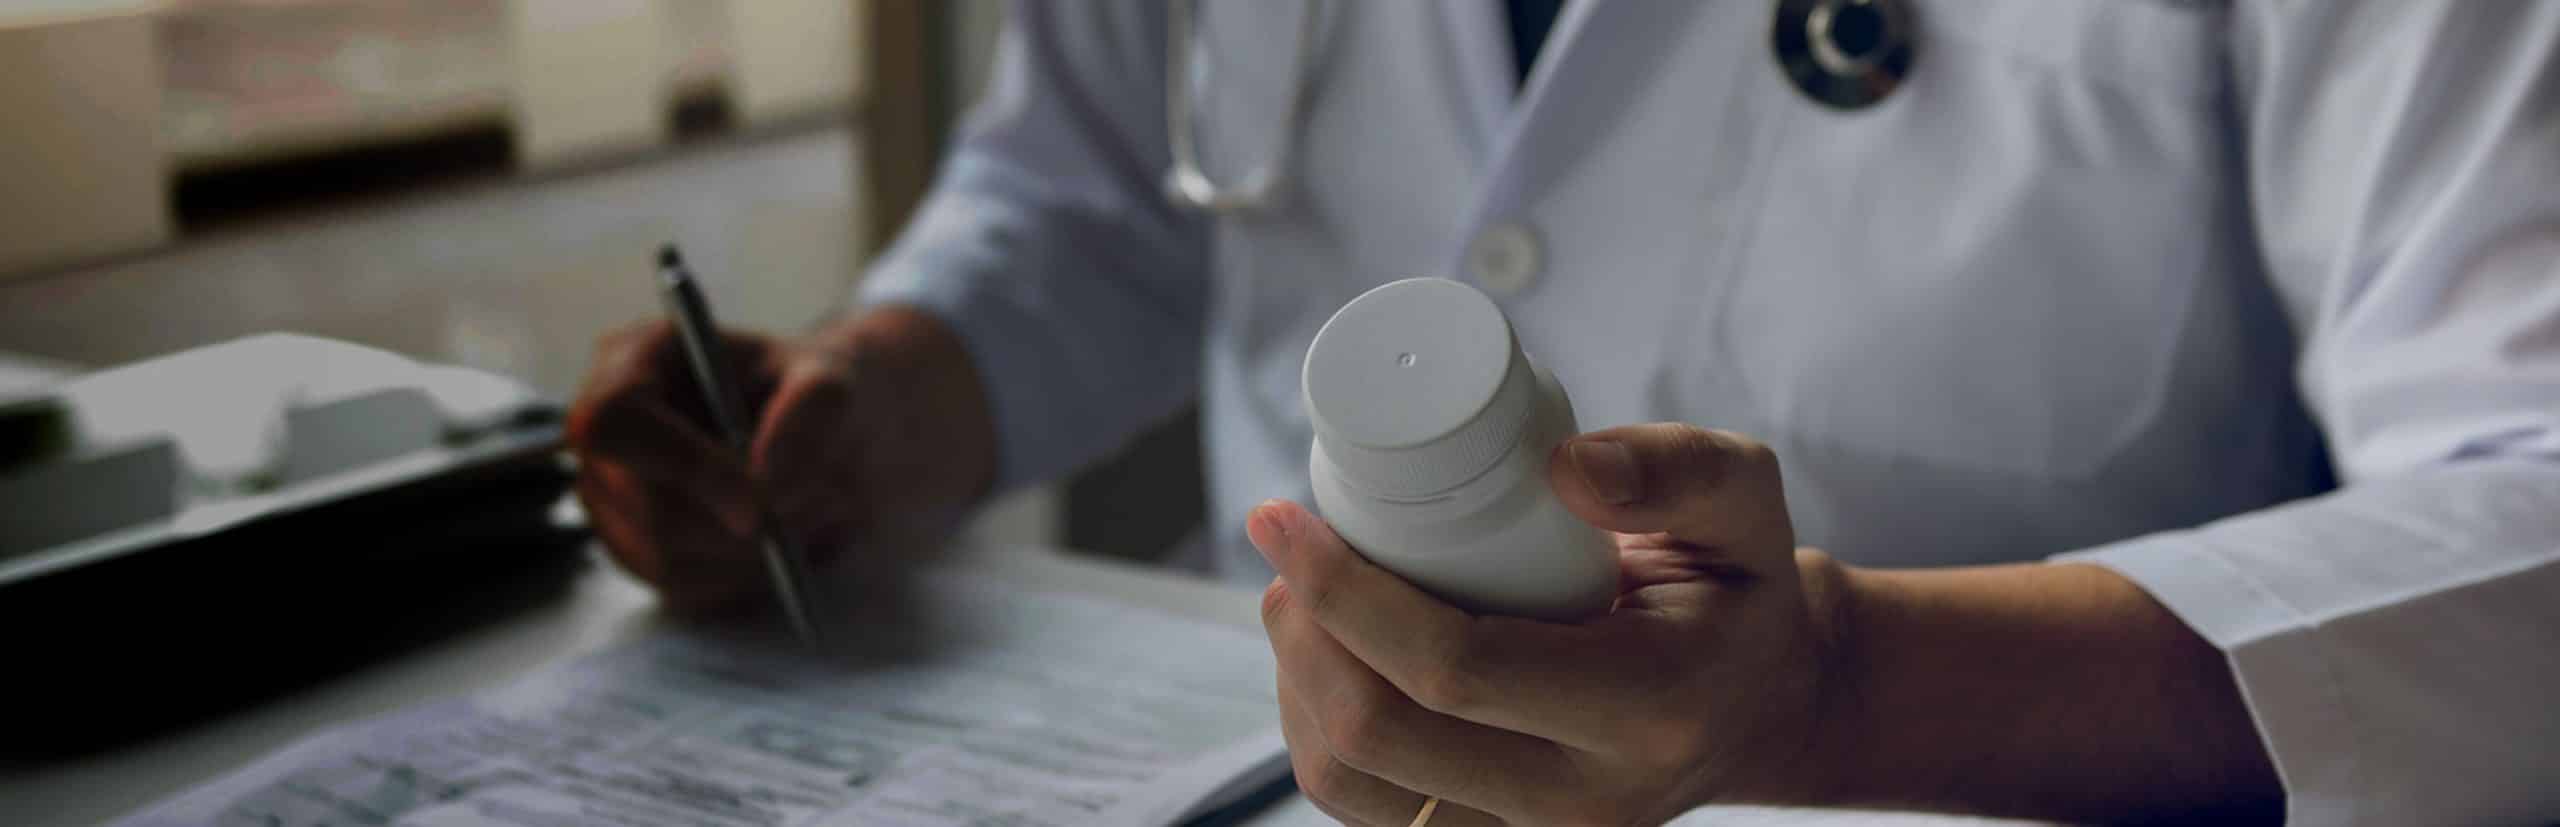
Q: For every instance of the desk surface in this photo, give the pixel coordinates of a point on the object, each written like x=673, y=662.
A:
x=602, y=606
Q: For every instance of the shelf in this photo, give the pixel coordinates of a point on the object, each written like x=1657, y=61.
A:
x=240, y=89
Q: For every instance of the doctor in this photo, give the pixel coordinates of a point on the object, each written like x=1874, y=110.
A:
x=2123, y=409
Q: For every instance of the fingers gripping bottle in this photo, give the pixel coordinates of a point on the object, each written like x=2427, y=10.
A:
x=1432, y=433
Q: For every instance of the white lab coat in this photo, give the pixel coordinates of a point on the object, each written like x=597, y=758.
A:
x=2082, y=286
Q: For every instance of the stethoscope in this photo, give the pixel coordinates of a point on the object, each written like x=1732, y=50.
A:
x=1843, y=54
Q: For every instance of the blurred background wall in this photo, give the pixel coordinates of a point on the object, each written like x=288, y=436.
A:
x=483, y=182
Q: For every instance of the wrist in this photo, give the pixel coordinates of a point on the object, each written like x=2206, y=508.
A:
x=1838, y=739
x=893, y=335
x=1805, y=768
x=1896, y=733
x=917, y=364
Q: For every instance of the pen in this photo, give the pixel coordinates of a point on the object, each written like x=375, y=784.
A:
x=692, y=317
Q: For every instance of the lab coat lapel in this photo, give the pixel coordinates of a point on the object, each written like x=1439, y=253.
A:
x=1479, y=44
x=1592, y=74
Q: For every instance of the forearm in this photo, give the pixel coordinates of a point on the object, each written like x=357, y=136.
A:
x=2057, y=691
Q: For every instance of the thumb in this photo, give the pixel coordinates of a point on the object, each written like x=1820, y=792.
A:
x=1707, y=488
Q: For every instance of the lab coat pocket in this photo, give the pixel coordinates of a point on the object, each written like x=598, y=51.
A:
x=2143, y=47
x=1990, y=273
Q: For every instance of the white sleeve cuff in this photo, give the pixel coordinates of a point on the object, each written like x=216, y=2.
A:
x=2282, y=665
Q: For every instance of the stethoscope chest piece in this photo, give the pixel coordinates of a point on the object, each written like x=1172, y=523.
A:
x=1844, y=54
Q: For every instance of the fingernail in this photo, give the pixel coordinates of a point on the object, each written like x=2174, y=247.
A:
x=1609, y=469
x=1272, y=536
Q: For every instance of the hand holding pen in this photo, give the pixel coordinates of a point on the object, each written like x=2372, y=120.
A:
x=786, y=566
x=871, y=426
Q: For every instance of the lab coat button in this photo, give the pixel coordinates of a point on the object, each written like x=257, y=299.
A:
x=1504, y=259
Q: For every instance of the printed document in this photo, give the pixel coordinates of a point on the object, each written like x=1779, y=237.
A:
x=983, y=704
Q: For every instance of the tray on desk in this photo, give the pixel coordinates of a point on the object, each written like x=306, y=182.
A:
x=226, y=523
x=239, y=598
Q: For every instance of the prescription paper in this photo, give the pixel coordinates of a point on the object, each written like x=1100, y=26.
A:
x=989, y=705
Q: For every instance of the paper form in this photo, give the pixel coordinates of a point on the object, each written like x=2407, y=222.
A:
x=996, y=706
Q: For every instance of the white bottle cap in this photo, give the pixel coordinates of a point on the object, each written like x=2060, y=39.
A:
x=1417, y=387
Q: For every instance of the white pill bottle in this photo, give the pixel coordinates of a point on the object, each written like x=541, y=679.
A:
x=1432, y=435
